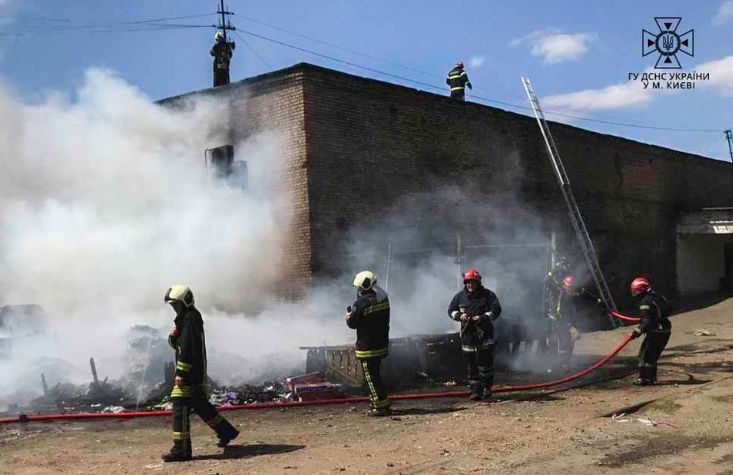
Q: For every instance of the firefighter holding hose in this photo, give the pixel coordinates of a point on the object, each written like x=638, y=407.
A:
x=189, y=389
x=476, y=307
x=369, y=316
x=655, y=325
x=563, y=315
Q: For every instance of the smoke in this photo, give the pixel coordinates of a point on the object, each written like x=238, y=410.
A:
x=106, y=203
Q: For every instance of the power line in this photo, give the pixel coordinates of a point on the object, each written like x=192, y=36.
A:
x=346, y=50
x=485, y=99
x=252, y=49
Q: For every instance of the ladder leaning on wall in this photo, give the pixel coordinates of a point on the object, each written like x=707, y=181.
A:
x=575, y=217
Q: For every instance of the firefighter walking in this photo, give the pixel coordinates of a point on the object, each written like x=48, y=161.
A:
x=189, y=390
x=458, y=80
x=222, y=51
x=476, y=307
x=369, y=316
x=656, y=327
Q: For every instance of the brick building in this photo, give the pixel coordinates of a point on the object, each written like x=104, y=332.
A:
x=366, y=156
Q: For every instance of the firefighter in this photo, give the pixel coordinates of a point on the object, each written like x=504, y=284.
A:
x=563, y=316
x=190, y=388
x=369, y=316
x=476, y=307
x=458, y=80
x=655, y=324
x=222, y=52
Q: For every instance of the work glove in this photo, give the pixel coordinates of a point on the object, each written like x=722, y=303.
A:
x=635, y=334
x=469, y=85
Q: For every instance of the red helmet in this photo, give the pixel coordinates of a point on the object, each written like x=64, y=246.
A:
x=471, y=274
x=568, y=283
x=640, y=285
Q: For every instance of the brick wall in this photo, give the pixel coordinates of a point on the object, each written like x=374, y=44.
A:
x=273, y=103
x=372, y=143
x=358, y=147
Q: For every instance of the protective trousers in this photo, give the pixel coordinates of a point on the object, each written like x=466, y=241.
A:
x=182, y=407
x=377, y=393
x=221, y=76
x=480, y=365
x=565, y=342
x=649, y=352
x=459, y=94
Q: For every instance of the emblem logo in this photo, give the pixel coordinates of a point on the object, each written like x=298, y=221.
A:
x=668, y=43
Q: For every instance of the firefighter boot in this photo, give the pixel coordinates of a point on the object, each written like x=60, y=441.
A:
x=226, y=433
x=646, y=377
x=379, y=412
x=181, y=452
x=477, y=392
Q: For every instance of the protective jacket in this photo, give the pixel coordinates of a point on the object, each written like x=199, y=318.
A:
x=484, y=303
x=222, y=53
x=370, y=317
x=190, y=346
x=457, y=79
x=654, y=310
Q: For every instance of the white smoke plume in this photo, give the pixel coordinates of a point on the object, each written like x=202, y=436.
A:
x=105, y=203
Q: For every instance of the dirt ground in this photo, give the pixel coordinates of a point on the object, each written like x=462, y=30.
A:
x=682, y=425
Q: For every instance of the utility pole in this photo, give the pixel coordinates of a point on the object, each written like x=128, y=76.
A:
x=224, y=24
x=729, y=137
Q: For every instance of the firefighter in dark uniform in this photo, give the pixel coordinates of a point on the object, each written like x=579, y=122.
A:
x=222, y=52
x=458, y=80
x=655, y=324
x=564, y=314
x=369, y=316
x=476, y=307
x=189, y=390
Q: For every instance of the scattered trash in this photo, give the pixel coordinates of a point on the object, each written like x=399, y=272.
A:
x=312, y=387
x=703, y=332
x=622, y=418
x=113, y=409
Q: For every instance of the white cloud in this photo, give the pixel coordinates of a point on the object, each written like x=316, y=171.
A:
x=725, y=13
x=721, y=75
x=476, y=61
x=555, y=47
x=617, y=96
x=633, y=94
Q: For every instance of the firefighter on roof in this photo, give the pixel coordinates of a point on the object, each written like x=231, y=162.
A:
x=476, y=307
x=189, y=390
x=369, y=316
x=458, y=80
x=222, y=52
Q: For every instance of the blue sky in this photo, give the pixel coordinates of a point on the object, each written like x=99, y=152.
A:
x=577, y=53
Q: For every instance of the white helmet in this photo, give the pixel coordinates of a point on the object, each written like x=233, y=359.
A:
x=179, y=293
x=365, y=280
x=219, y=36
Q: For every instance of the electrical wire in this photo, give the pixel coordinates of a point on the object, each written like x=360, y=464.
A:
x=326, y=43
x=252, y=49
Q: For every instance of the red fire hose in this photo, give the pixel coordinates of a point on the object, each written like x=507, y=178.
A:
x=625, y=318
x=349, y=400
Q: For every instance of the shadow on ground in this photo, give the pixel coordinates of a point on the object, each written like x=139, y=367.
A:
x=234, y=452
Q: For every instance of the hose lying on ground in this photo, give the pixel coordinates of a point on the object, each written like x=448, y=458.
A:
x=349, y=400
